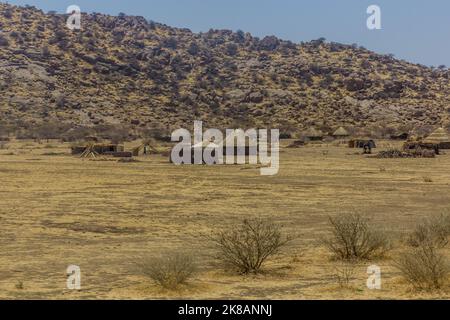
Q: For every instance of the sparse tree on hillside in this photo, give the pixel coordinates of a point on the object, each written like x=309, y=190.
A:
x=193, y=49
x=3, y=41
x=171, y=43
x=231, y=49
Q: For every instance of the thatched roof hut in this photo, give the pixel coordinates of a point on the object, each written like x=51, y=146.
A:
x=440, y=137
x=341, y=133
x=146, y=148
x=312, y=134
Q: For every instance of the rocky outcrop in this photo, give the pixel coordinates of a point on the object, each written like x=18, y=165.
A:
x=140, y=73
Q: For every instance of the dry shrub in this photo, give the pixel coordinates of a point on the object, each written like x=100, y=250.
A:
x=428, y=154
x=353, y=238
x=427, y=180
x=392, y=153
x=414, y=153
x=344, y=273
x=245, y=247
x=170, y=270
x=19, y=285
x=435, y=231
x=424, y=267
x=128, y=160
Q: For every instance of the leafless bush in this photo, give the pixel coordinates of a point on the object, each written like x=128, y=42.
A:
x=414, y=153
x=245, y=247
x=427, y=179
x=169, y=270
x=435, y=231
x=344, y=273
x=353, y=238
x=19, y=285
x=424, y=267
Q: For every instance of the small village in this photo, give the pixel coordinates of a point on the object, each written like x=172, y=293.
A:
x=413, y=146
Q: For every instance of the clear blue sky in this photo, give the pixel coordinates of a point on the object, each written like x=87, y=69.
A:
x=414, y=30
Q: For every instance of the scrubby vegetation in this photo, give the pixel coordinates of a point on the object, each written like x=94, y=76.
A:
x=354, y=238
x=423, y=264
x=424, y=267
x=135, y=72
x=434, y=231
x=396, y=153
x=247, y=246
x=344, y=273
x=170, y=270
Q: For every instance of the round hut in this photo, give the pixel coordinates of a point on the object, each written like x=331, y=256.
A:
x=440, y=137
x=313, y=135
x=341, y=133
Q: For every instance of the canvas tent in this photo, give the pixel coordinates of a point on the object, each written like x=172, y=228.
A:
x=439, y=137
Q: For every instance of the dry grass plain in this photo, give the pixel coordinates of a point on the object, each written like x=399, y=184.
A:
x=57, y=210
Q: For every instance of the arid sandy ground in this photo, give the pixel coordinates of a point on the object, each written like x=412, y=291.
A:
x=57, y=210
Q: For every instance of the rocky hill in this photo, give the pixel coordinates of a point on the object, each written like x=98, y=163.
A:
x=129, y=71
